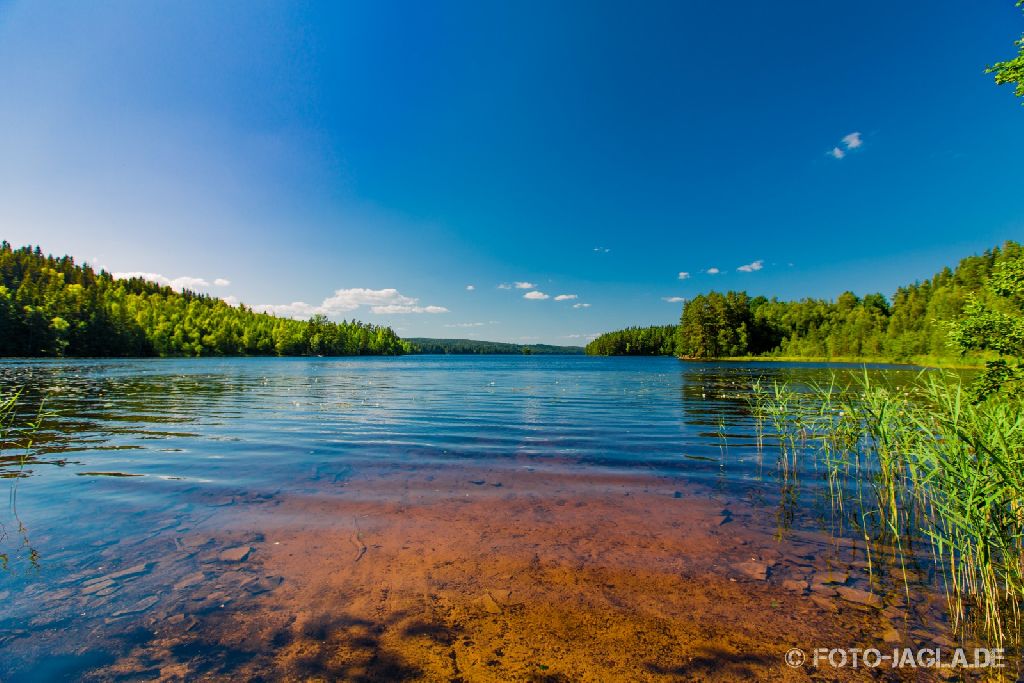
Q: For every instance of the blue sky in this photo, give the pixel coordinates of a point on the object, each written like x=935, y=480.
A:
x=374, y=160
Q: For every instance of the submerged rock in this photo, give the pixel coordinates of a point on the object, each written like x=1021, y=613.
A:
x=97, y=586
x=263, y=585
x=190, y=580
x=236, y=554
x=753, y=569
x=489, y=604
x=796, y=585
x=824, y=603
x=131, y=571
x=832, y=577
x=140, y=606
x=859, y=597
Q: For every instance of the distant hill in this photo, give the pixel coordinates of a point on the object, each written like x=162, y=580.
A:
x=468, y=346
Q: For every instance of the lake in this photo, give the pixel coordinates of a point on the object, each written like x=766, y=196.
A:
x=423, y=518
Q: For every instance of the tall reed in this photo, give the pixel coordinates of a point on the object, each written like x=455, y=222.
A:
x=919, y=463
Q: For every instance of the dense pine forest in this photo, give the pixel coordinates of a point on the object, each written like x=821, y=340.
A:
x=913, y=326
x=51, y=306
x=474, y=346
x=659, y=340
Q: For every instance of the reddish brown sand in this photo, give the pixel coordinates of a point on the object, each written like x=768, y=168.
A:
x=437, y=574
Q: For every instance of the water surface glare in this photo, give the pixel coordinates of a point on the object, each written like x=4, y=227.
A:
x=186, y=518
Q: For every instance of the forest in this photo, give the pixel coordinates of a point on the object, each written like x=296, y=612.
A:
x=658, y=340
x=475, y=346
x=51, y=306
x=911, y=327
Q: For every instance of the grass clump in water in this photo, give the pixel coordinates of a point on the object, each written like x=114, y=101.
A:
x=920, y=463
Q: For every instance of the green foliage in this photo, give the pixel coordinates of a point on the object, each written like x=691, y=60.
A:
x=635, y=341
x=1011, y=71
x=51, y=306
x=920, y=463
x=472, y=346
x=718, y=325
x=996, y=324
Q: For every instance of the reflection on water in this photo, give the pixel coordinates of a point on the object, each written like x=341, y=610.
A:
x=138, y=495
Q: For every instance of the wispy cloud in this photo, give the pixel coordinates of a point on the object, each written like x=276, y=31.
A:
x=712, y=271
x=466, y=325
x=379, y=301
x=470, y=288
x=850, y=141
x=566, y=297
x=673, y=299
x=183, y=282
x=683, y=275
x=602, y=250
x=504, y=285
x=524, y=285
x=536, y=296
x=400, y=308
x=581, y=305
x=751, y=267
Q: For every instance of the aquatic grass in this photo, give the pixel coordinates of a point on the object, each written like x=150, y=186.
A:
x=918, y=463
x=20, y=438
x=971, y=468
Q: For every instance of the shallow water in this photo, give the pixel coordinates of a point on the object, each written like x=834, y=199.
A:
x=419, y=518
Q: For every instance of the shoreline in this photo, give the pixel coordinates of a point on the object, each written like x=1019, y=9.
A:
x=844, y=360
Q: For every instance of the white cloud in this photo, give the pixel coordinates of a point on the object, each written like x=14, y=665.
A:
x=566, y=297
x=296, y=309
x=400, y=308
x=470, y=288
x=466, y=325
x=504, y=285
x=380, y=301
x=683, y=275
x=673, y=299
x=537, y=296
x=230, y=300
x=713, y=271
x=184, y=282
x=751, y=267
x=351, y=299
x=581, y=305
x=852, y=141
x=524, y=285
x=602, y=250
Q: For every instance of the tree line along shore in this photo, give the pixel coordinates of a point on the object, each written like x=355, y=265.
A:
x=51, y=306
x=912, y=327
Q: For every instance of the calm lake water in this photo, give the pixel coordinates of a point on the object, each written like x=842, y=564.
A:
x=136, y=459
